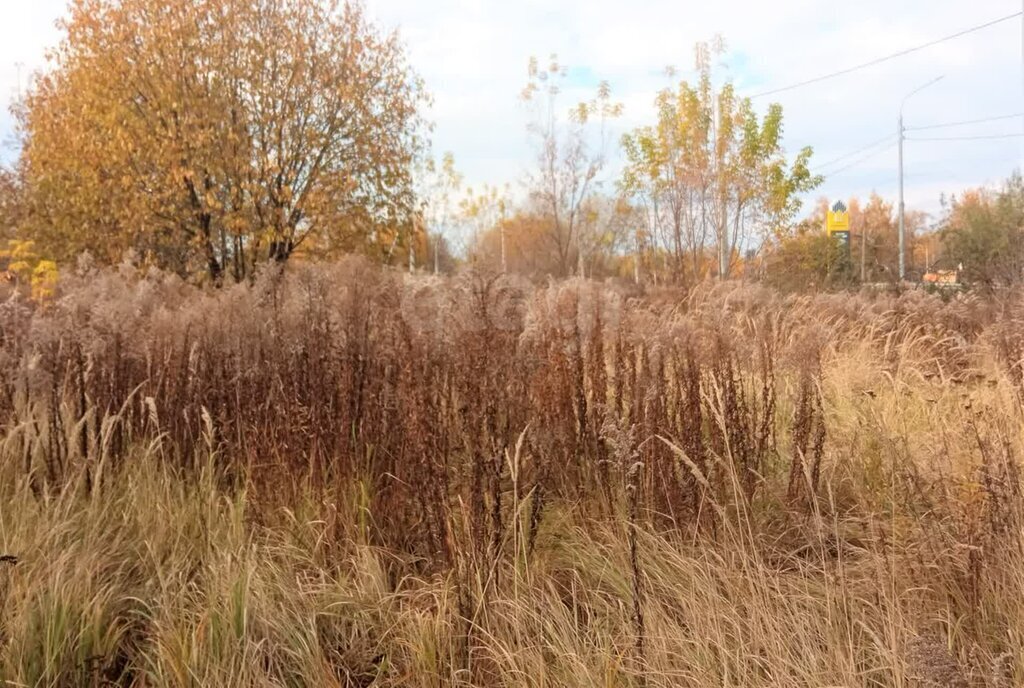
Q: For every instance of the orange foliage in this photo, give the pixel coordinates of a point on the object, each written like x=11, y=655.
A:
x=215, y=134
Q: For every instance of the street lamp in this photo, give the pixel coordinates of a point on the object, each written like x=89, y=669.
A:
x=900, y=136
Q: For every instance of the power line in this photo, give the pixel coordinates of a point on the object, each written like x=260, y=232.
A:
x=853, y=153
x=968, y=121
x=888, y=139
x=893, y=56
x=965, y=138
x=859, y=161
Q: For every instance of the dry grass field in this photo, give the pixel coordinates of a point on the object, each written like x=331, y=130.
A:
x=344, y=476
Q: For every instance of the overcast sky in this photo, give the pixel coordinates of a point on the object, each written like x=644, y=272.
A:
x=473, y=56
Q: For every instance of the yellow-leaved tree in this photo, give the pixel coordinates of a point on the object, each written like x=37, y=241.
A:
x=712, y=175
x=22, y=265
x=211, y=135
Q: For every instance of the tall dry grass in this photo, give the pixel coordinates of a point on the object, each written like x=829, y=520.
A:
x=346, y=476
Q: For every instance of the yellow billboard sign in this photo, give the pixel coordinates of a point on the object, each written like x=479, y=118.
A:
x=838, y=218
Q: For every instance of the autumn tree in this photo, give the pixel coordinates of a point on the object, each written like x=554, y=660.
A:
x=218, y=134
x=710, y=171
x=874, y=238
x=23, y=264
x=482, y=212
x=524, y=238
x=610, y=225
x=983, y=231
x=519, y=239
x=11, y=204
x=805, y=254
x=570, y=156
x=441, y=207
x=431, y=239
x=807, y=259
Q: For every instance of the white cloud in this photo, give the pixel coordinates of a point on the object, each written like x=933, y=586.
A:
x=473, y=56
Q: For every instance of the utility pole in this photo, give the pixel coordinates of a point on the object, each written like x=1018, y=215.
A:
x=412, y=253
x=501, y=232
x=579, y=253
x=636, y=258
x=901, y=135
x=863, y=248
x=723, y=224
